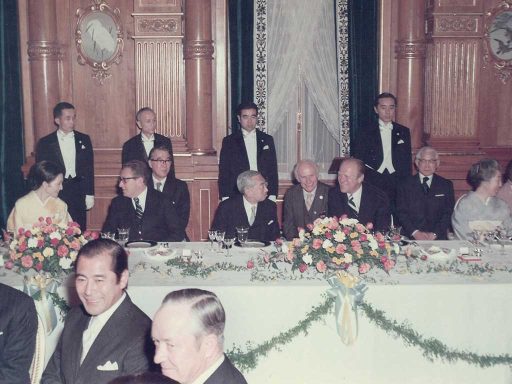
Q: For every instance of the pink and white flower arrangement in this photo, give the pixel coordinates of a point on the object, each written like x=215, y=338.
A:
x=47, y=247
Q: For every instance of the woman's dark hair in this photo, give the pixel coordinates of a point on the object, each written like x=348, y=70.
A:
x=507, y=175
x=143, y=378
x=482, y=171
x=41, y=172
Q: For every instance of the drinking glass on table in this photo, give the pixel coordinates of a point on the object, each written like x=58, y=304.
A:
x=211, y=236
x=229, y=243
x=242, y=233
x=123, y=234
x=107, y=235
x=219, y=236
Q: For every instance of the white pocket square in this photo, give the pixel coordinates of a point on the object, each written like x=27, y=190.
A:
x=440, y=195
x=108, y=366
x=1, y=333
x=266, y=147
x=270, y=222
x=83, y=146
x=400, y=141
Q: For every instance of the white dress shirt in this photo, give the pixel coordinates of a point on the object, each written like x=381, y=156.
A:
x=356, y=197
x=96, y=324
x=385, y=136
x=252, y=148
x=68, y=150
x=155, y=181
x=429, y=181
x=142, y=199
x=148, y=143
x=201, y=379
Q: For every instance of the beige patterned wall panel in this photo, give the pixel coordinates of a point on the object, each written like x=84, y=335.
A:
x=159, y=76
x=452, y=89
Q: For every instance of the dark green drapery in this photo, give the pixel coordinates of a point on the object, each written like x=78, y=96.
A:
x=363, y=59
x=241, y=21
x=11, y=127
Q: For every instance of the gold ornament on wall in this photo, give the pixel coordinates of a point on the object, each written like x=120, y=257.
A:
x=99, y=38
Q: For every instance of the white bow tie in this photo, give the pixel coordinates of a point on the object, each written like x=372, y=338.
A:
x=386, y=127
x=145, y=140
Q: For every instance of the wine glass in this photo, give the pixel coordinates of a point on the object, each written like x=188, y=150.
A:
x=501, y=236
x=211, y=236
x=219, y=236
x=394, y=234
x=229, y=243
x=123, y=234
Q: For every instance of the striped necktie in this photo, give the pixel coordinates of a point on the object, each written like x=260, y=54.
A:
x=138, y=208
x=352, y=206
x=425, y=186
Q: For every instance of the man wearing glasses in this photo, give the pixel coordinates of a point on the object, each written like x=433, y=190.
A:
x=425, y=201
x=147, y=213
x=163, y=180
x=251, y=209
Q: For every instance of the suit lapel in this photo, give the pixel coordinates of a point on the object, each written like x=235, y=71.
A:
x=75, y=353
x=55, y=148
x=239, y=140
x=141, y=148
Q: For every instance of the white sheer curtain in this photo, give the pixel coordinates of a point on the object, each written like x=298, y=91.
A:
x=302, y=78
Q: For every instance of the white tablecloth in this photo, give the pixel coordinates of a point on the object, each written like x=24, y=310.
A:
x=468, y=313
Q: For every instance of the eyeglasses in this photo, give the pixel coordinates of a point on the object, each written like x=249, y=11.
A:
x=162, y=162
x=428, y=161
x=124, y=179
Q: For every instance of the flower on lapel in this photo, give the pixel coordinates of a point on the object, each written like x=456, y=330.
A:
x=321, y=197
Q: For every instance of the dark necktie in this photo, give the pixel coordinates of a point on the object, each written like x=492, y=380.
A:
x=425, y=186
x=138, y=208
x=352, y=206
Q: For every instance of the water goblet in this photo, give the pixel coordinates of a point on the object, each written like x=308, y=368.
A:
x=229, y=243
x=123, y=233
x=394, y=234
x=107, y=235
x=211, y=236
x=219, y=236
x=241, y=233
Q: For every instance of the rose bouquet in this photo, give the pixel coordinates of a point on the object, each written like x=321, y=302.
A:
x=46, y=247
x=332, y=244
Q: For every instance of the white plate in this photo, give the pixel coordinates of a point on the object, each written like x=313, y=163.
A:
x=141, y=244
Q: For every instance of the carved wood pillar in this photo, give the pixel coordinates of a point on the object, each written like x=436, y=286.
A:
x=45, y=55
x=454, y=31
x=411, y=67
x=159, y=65
x=198, y=55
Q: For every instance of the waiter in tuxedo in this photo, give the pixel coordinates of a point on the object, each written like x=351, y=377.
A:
x=146, y=212
x=304, y=202
x=425, y=201
x=18, y=329
x=107, y=336
x=194, y=320
x=385, y=148
x=176, y=190
x=72, y=150
x=357, y=199
x=247, y=149
x=139, y=146
x=251, y=209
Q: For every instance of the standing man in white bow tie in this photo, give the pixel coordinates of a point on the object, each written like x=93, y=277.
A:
x=139, y=146
x=72, y=150
x=385, y=148
x=108, y=336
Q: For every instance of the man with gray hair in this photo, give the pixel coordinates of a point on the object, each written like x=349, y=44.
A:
x=252, y=209
x=425, y=201
x=304, y=202
x=188, y=332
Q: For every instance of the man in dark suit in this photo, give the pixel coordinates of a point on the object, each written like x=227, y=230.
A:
x=358, y=199
x=176, y=190
x=193, y=319
x=139, y=146
x=425, y=201
x=385, y=148
x=147, y=213
x=252, y=209
x=18, y=328
x=108, y=336
x=305, y=202
x=71, y=150
x=247, y=149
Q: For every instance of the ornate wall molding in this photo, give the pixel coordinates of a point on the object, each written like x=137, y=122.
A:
x=454, y=23
x=44, y=50
x=157, y=25
x=411, y=49
x=198, y=49
x=260, y=62
x=343, y=75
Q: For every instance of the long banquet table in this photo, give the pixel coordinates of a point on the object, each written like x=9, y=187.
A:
x=467, y=311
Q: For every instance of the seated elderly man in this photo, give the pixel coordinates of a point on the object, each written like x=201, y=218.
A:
x=188, y=332
x=425, y=201
x=146, y=212
x=304, y=202
x=357, y=199
x=252, y=209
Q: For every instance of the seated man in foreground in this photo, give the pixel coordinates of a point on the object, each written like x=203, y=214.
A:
x=146, y=212
x=357, y=199
x=425, y=201
x=108, y=336
x=252, y=209
x=305, y=202
x=188, y=332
